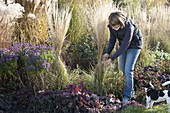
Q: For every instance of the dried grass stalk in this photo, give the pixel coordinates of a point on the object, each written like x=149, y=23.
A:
x=33, y=28
x=59, y=20
x=8, y=16
x=150, y=21
x=98, y=19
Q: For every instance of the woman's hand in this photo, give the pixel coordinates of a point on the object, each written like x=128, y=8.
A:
x=108, y=62
x=105, y=56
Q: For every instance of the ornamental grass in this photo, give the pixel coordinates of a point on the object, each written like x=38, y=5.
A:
x=58, y=20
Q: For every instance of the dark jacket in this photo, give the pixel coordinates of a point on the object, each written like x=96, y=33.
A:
x=129, y=37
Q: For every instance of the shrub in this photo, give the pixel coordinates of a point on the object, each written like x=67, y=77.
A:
x=83, y=53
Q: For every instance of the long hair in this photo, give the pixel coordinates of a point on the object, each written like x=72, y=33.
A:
x=117, y=18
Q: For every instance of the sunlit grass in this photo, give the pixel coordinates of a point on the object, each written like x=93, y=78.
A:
x=156, y=109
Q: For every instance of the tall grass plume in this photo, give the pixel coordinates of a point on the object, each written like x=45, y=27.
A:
x=8, y=17
x=98, y=16
x=58, y=20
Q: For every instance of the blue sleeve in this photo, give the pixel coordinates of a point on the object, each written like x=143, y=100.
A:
x=112, y=42
x=125, y=43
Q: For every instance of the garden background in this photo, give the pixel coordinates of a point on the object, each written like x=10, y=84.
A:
x=50, y=56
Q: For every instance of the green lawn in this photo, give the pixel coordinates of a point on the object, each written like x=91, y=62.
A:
x=156, y=109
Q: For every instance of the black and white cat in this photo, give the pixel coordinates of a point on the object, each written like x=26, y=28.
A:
x=154, y=96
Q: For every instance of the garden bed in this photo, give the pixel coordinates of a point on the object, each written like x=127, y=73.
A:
x=72, y=99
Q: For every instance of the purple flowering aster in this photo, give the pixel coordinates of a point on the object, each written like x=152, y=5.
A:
x=45, y=64
x=30, y=57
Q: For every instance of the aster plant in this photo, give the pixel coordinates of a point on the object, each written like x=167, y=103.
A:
x=27, y=64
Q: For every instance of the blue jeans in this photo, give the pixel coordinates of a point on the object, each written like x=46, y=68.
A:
x=127, y=63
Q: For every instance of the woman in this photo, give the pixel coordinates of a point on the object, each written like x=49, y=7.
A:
x=129, y=36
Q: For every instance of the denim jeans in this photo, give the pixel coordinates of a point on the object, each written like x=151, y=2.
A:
x=127, y=63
